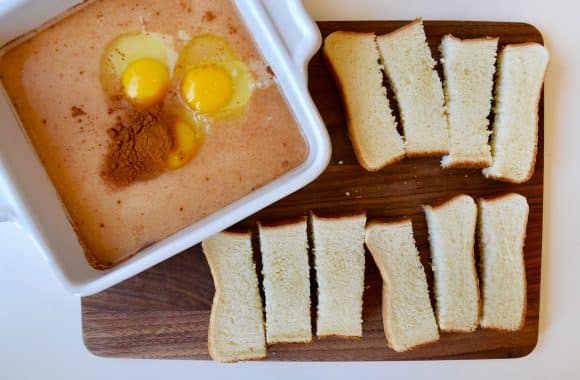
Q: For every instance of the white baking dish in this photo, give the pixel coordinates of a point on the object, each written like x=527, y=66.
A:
x=287, y=38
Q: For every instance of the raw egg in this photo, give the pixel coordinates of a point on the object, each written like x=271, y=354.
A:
x=211, y=79
x=137, y=66
x=208, y=82
x=187, y=136
x=185, y=143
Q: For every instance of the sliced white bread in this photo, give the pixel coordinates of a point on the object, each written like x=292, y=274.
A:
x=408, y=317
x=469, y=66
x=410, y=69
x=452, y=238
x=236, y=326
x=514, y=143
x=339, y=258
x=354, y=61
x=286, y=282
x=502, y=232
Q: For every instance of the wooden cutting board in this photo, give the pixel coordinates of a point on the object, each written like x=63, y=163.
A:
x=164, y=312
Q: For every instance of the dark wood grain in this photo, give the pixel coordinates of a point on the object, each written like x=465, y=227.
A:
x=164, y=312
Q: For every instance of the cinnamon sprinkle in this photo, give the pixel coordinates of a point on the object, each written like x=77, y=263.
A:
x=138, y=148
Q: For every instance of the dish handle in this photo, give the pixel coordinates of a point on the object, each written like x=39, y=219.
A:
x=297, y=30
x=6, y=212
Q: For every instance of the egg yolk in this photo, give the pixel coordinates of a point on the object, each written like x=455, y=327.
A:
x=145, y=81
x=184, y=145
x=207, y=88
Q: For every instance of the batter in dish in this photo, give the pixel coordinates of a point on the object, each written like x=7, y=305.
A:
x=53, y=80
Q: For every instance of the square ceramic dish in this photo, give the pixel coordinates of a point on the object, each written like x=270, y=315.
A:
x=286, y=37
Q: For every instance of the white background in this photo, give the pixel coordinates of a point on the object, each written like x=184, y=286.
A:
x=40, y=329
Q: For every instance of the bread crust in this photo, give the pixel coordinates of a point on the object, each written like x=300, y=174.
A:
x=470, y=40
x=349, y=121
x=445, y=201
x=416, y=21
x=386, y=327
x=497, y=197
x=338, y=216
x=293, y=341
x=537, y=121
x=412, y=153
x=467, y=165
x=386, y=288
x=212, y=316
x=525, y=281
x=210, y=343
x=386, y=280
x=345, y=337
x=385, y=294
x=426, y=153
x=467, y=330
x=274, y=225
x=385, y=309
x=524, y=44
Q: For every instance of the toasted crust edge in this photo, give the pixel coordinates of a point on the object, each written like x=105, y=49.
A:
x=339, y=336
x=469, y=40
x=425, y=153
x=466, y=164
x=290, y=341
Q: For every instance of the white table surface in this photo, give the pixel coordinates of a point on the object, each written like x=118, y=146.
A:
x=40, y=326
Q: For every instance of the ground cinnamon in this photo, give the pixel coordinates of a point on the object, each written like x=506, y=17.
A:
x=138, y=148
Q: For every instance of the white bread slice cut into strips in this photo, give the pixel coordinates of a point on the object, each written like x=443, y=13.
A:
x=469, y=67
x=502, y=232
x=339, y=260
x=521, y=71
x=408, y=317
x=354, y=62
x=410, y=68
x=452, y=239
x=286, y=283
x=236, y=326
